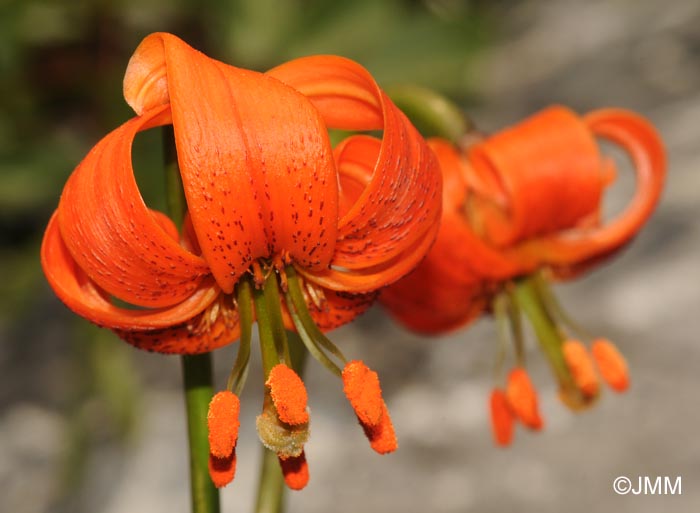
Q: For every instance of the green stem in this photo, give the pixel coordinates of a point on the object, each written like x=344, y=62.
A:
x=197, y=376
x=271, y=487
x=196, y=369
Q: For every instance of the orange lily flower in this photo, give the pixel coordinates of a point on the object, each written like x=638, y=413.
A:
x=521, y=207
x=280, y=227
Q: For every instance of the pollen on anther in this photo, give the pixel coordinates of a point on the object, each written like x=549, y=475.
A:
x=502, y=419
x=611, y=364
x=222, y=470
x=381, y=436
x=223, y=423
x=522, y=398
x=581, y=367
x=361, y=387
x=295, y=471
x=288, y=394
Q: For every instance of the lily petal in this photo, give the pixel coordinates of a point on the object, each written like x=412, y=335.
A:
x=431, y=302
x=84, y=296
x=641, y=141
x=114, y=237
x=535, y=178
x=254, y=156
x=459, y=252
x=400, y=205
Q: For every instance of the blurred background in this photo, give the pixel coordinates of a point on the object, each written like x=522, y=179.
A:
x=89, y=424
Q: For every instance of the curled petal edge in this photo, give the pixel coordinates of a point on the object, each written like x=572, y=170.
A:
x=86, y=299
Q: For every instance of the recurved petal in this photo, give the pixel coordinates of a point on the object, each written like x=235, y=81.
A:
x=146, y=77
x=372, y=279
x=536, y=178
x=114, y=238
x=254, y=155
x=201, y=334
x=330, y=309
x=400, y=203
x=430, y=301
x=168, y=330
x=342, y=90
x=640, y=140
x=459, y=253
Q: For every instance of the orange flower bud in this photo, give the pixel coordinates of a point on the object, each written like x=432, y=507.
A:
x=611, y=364
x=502, y=419
x=222, y=421
x=289, y=395
x=581, y=367
x=522, y=398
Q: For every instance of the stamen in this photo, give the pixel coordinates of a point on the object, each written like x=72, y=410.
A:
x=522, y=398
x=239, y=372
x=361, y=387
x=295, y=471
x=288, y=394
x=555, y=308
x=581, y=367
x=611, y=364
x=381, y=436
x=278, y=265
x=312, y=337
x=317, y=297
x=500, y=312
x=223, y=423
x=502, y=419
x=222, y=470
x=204, y=322
x=258, y=275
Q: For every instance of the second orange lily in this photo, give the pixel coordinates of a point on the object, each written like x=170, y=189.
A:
x=520, y=208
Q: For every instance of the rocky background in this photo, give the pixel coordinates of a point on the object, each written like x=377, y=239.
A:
x=90, y=425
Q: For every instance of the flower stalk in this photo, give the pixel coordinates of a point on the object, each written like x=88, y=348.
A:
x=196, y=369
x=197, y=379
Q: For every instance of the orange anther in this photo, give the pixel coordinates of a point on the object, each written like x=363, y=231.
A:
x=611, y=364
x=502, y=419
x=381, y=436
x=222, y=470
x=289, y=395
x=580, y=364
x=522, y=398
x=361, y=387
x=295, y=471
x=222, y=421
